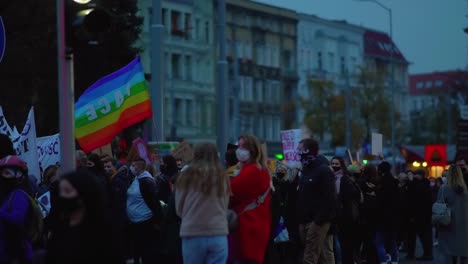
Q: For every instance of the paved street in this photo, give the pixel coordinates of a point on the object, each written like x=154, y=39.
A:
x=437, y=256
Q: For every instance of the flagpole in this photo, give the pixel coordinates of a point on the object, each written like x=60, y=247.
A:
x=157, y=76
x=66, y=94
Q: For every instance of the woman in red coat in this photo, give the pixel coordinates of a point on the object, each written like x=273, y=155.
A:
x=251, y=201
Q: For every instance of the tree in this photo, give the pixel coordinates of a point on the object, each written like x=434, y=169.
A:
x=29, y=68
x=370, y=109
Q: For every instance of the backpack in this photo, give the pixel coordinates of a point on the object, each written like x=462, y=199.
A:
x=34, y=223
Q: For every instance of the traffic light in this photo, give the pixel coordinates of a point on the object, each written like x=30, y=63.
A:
x=364, y=162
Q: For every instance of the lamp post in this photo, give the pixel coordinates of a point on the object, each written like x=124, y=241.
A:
x=392, y=78
x=157, y=76
x=65, y=93
x=222, y=80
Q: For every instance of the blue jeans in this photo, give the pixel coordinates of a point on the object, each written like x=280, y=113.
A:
x=386, y=244
x=205, y=249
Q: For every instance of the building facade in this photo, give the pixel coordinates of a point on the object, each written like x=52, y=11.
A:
x=380, y=55
x=434, y=103
x=327, y=50
x=189, y=63
x=262, y=39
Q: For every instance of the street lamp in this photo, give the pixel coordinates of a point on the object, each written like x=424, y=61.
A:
x=392, y=77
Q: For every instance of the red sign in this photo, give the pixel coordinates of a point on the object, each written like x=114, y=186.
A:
x=436, y=155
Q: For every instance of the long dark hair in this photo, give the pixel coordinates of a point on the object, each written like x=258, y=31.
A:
x=90, y=192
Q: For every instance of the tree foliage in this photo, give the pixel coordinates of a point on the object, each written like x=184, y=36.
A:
x=369, y=109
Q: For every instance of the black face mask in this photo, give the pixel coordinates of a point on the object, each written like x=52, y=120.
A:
x=336, y=168
x=68, y=205
x=280, y=175
x=8, y=183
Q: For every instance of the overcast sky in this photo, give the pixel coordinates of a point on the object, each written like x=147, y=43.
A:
x=428, y=32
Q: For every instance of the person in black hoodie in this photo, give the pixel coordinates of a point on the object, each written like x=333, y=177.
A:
x=387, y=214
x=420, y=197
x=82, y=232
x=317, y=203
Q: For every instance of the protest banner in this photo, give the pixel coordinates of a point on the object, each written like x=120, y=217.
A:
x=26, y=146
x=4, y=127
x=290, y=140
x=48, y=151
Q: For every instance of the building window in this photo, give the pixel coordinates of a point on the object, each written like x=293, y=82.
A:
x=275, y=57
x=167, y=64
x=258, y=91
x=176, y=65
x=429, y=84
x=242, y=88
x=319, y=61
x=353, y=64
x=176, y=23
x=163, y=16
x=249, y=89
x=179, y=111
x=275, y=92
x=343, y=65
x=267, y=91
x=331, y=62
x=188, y=68
x=439, y=83
x=190, y=112
x=188, y=26
x=269, y=128
x=248, y=50
x=259, y=54
x=267, y=56
x=209, y=115
x=260, y=128
x=207, y=32
x=197, y=29
x=420, y=85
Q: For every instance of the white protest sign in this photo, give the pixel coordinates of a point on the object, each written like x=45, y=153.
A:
x=26, y=147
x=376, y=144
x=48, y=151
x=290, y=140
x=4, y=127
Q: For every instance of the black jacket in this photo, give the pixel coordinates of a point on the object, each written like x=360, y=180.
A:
x=420, y=196
x=350, y=199
x=163, y=188
x=148, y=191
x=317, y=200
x=388, y=204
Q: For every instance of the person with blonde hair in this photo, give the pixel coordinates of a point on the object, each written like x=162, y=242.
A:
x=251, y=201
x=201, y=198
x=453, y=238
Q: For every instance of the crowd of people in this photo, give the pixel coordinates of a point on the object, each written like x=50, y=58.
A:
x=326, y=211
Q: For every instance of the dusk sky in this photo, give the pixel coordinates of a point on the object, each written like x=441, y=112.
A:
x=428, y=32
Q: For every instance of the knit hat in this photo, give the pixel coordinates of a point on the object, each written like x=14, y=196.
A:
x=354, y=169
x=15, y=162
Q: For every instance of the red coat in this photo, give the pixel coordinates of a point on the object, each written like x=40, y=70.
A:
x=254, y=226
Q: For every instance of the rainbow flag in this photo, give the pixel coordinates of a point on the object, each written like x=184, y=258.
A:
x=113, y=103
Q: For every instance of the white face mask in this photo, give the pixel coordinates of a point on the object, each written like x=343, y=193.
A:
x=133, y=170
x=236, y=172
x=242, y=155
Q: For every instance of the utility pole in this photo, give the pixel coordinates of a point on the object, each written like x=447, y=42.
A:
x=222, y=80
x=66, y=94
x=236, y=88
x=157, y=73
x=348, y=110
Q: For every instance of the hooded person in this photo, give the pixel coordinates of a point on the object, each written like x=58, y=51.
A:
x=15, y=210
